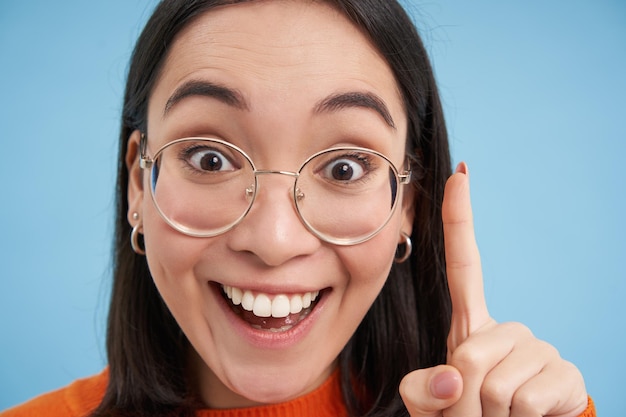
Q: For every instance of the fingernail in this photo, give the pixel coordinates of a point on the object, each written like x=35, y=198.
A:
x=444, y=385
x=461, y=168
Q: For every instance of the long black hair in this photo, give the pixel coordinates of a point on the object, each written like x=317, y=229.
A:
x=407, y=325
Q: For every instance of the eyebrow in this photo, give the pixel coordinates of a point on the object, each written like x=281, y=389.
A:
x=234, y=98
x=219, y=92
x=366, y=100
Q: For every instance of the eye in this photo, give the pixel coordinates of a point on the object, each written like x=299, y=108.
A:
x=345, y=169
x=208, y=160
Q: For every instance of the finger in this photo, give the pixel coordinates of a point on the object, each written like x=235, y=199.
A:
x=557, y=391
x=477, y=357
x=527, y=357
x=469, y=308
x=427, y=392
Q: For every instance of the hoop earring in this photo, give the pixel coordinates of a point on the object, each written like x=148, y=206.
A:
x=408, y=248
x=134, y=240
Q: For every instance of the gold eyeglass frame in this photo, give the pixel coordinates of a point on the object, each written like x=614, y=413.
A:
x=146, y=163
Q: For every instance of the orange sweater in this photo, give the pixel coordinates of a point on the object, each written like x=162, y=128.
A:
x=82, y=396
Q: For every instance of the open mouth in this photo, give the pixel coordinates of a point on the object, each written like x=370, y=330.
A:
x=273, y=313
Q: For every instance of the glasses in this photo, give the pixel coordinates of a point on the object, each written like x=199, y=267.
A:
x=204, y=187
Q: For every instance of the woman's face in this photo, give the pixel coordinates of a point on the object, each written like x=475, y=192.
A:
x=280, y=59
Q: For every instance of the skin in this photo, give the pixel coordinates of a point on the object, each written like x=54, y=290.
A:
x=492, y=369
x=282, y=69
x=302, y=53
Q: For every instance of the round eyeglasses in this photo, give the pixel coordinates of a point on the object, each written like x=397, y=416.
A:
x=204, y=187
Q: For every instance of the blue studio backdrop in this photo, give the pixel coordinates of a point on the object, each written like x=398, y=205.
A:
x=534, y=98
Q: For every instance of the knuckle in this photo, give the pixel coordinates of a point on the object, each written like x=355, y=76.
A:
x=525, y=336
x=547, y=349
x=575, y=378
x=573, y=370
x=518, y=329
x=496, y=392
x=526, y=402
x=468, y=359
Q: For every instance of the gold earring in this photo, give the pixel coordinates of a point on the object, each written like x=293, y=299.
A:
x=134, y=237
x=408, y=248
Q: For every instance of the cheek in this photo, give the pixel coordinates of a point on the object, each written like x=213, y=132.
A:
x=164, y=245
x=368, y=266
x=369, y=263
x=171, y=255
x=172, y=258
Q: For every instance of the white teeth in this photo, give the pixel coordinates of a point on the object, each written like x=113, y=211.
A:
x=263, y=306
x=247, y=302
x=235, y=295
x=295, y=305
x=306, y=300
x=281, y=306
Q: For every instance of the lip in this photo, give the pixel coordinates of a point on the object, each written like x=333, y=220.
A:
x=265, y=339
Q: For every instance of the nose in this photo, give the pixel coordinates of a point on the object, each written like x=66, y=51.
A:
x=272, y=229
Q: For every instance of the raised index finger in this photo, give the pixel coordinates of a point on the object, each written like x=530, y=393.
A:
x=465, y=279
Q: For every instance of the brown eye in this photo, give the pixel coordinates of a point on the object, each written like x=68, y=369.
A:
x=344, y=169
x=209, y=160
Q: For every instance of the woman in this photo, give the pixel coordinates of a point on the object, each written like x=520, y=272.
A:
x=281, y=178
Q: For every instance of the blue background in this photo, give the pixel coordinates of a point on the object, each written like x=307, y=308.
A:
x=535, y=97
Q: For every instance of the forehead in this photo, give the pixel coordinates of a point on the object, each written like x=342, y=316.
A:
x=285, y=50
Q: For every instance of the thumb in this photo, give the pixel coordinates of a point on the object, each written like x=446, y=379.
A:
x=427, y=392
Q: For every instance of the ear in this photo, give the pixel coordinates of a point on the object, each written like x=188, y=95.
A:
x=135, y=176
x=408, y=209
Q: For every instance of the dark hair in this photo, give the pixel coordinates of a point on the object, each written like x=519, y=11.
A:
x=407, y=325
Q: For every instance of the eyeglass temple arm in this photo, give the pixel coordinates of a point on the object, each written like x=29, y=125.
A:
x=405, y=177
x=144, y=161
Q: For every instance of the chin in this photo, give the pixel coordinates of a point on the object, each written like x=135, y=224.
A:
x=275, y=386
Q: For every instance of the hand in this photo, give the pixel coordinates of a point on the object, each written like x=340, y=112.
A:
x=492, y=369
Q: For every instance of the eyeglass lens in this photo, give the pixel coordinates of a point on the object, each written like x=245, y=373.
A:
x=204, y=187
